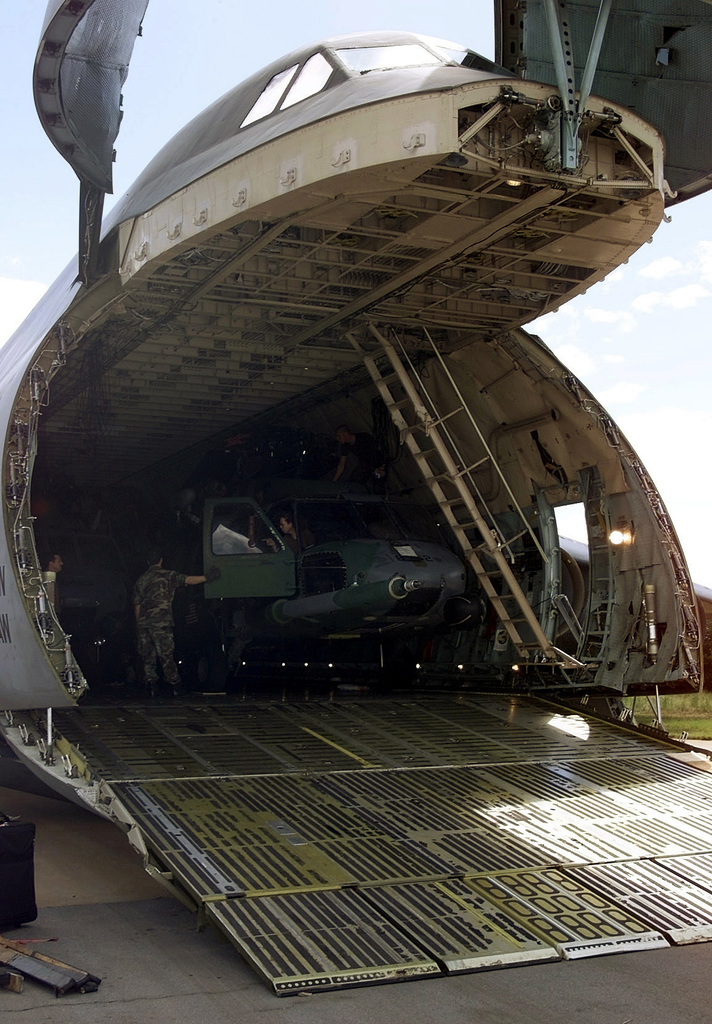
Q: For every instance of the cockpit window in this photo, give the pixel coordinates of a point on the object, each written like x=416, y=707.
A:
x=415, y=523
x=335, y=520
x=270, y=95
x=237, y=529
x=331, y=521
x=310, y=80
x=397, y=521
x=469, y=59
x=456, y=55
x=384, y=58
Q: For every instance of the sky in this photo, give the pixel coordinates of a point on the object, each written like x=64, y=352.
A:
x=640, y=340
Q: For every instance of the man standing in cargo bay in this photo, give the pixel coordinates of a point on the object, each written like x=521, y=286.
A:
x=153, y=600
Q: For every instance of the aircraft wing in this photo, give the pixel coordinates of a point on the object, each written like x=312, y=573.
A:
x=655, y=59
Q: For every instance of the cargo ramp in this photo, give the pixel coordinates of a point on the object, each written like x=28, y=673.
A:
x=344, y=842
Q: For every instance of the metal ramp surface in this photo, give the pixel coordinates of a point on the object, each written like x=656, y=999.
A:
x=352, y=842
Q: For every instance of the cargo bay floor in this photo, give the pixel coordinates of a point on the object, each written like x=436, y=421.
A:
x=338, y=843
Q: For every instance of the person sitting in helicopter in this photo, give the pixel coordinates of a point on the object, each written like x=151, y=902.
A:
x=297, y=541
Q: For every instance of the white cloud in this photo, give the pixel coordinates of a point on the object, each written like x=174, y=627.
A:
x=562, y=327
x=601, y=316
x=17, y=299
x=704, y=260
x=622, y=393
x=622, y=319
x=610, y=281
x=666, y=266
x=617, y=275
x=575, y=359
x=679, y=298
x=647, y=302
x=685, y=298
x=561, y=318
x=611, y=357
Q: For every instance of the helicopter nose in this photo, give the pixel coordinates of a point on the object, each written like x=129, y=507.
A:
x=464, y=612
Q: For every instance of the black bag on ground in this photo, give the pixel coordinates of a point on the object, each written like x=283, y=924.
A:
x=17, y=874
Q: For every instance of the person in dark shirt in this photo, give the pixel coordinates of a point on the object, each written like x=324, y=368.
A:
x=360, y=458
x=288, y=529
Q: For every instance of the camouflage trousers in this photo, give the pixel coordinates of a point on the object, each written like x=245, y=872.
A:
x=155, y=643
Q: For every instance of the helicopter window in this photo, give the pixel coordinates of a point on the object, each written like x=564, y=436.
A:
x=384, y=58
x=332, y=521
x=415, y=523
x=310, y=80
x=233, y=531
x=270, y=95
x=379, y=523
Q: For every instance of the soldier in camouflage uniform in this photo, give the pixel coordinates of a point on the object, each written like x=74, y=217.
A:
x=153, y=599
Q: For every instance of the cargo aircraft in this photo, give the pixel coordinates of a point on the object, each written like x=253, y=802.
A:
x=356, y=235
x=349, y=244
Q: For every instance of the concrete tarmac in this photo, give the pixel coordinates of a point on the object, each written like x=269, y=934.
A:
x=100, y=912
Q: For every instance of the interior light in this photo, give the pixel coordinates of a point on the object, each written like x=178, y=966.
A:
x=512, y=182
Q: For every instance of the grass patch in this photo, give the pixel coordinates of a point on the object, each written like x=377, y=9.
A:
x=696, y=728
x=690, y=713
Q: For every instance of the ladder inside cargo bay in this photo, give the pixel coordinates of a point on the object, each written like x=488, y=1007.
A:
x=445, y=471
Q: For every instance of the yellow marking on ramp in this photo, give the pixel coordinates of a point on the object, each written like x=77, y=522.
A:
x=337, y=746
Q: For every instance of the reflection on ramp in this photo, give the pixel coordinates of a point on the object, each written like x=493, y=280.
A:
x=661, y=891
x=578, y=921
x=349, y=843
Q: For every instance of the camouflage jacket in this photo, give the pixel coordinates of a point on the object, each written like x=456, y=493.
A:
x=154, y=593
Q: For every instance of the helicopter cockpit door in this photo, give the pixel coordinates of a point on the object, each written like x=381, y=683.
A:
x=241, y=541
